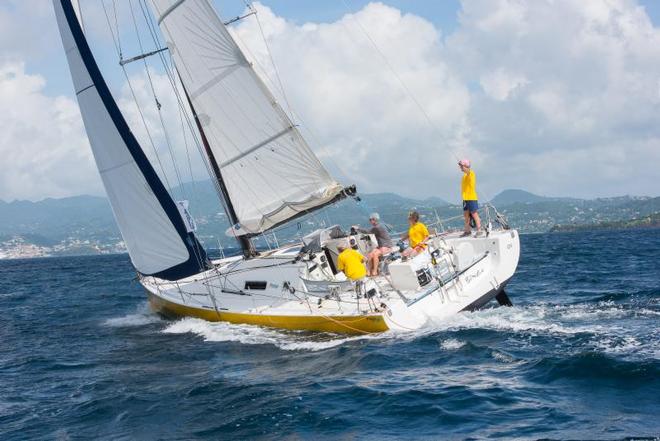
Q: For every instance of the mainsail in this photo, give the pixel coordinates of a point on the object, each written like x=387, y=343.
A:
x=157, y=239
x=270, y=172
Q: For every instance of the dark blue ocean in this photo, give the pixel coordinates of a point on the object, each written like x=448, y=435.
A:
x=578, y=356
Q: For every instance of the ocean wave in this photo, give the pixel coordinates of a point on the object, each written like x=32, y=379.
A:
x=141, y=317
x=257, y=335
x=594, y=366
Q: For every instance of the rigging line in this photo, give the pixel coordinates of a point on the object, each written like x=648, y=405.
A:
x=185, y=143
x=168, y=65
x=153, y=31
x=398, y=77
x=158, y=104
x=151, y=26
x=114, y=7
x=118, y=48
x=137, y=105
x=272, y=60
x=114, y=39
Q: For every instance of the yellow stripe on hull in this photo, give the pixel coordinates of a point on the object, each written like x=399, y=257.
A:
x=360, y=324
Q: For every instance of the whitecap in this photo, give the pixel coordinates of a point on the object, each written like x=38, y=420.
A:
x=452, y=344
x=142, y=316
x=501, y=356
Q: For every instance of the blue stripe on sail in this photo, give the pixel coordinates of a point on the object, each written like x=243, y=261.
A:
x=198, y=260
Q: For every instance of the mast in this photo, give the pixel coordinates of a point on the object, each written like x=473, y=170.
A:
x=243, y=241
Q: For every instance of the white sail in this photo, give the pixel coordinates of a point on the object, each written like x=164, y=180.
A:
x=155, y=235
x=270, y=172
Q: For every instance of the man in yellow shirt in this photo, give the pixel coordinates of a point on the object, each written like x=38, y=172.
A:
x=416, y=235
x=470, y=199
x=351, y=262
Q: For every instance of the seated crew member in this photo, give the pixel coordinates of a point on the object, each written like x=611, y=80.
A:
x=417, y=235
x=383, y=241
x=470, y=199
x=351, y=262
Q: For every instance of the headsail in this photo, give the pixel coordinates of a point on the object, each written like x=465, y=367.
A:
x=149, y=220
x=270, y=172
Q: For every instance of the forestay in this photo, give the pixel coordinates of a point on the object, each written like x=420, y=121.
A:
x=153, y=230
x=270, y=172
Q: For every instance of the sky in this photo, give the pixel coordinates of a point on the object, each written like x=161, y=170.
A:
x=557, y=97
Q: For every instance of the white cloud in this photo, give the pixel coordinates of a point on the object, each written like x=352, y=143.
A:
x=43, y=147
x=556, y=96
x=584, y=120
x=500, y=84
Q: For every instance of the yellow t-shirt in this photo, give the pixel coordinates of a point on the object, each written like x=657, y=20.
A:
x=417, y=233
x=469, y=186
x=350, y=262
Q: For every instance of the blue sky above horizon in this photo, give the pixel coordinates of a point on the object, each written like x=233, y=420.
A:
x=556, y=103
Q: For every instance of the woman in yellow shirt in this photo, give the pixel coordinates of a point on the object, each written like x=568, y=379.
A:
x=470, y=199
x=416, y=235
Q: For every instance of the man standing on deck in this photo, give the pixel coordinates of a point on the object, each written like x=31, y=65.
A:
x=470, y=200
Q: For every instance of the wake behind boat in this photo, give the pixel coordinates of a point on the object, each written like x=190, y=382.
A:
x=266, y=176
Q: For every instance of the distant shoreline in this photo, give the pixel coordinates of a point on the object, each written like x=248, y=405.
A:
x=215, y=253
x=652, y=221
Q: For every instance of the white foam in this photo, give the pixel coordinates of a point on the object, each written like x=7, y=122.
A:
x=143, y=316
x=452, y=344
x=610, y=328
x=248, y=334
x=501, y=356
x=543, y=319
x=605, y=324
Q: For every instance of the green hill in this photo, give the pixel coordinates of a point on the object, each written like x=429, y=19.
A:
x=86, y=222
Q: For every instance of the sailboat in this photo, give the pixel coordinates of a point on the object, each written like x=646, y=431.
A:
x=267, y=176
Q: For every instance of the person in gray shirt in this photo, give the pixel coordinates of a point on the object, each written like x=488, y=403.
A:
x=384, y=242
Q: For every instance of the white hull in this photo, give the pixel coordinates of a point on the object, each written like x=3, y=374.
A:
x=274, y=290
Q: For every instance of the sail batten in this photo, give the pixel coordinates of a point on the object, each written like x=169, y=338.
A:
x=158, y=241
x=270, y=172
x=256, y=147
